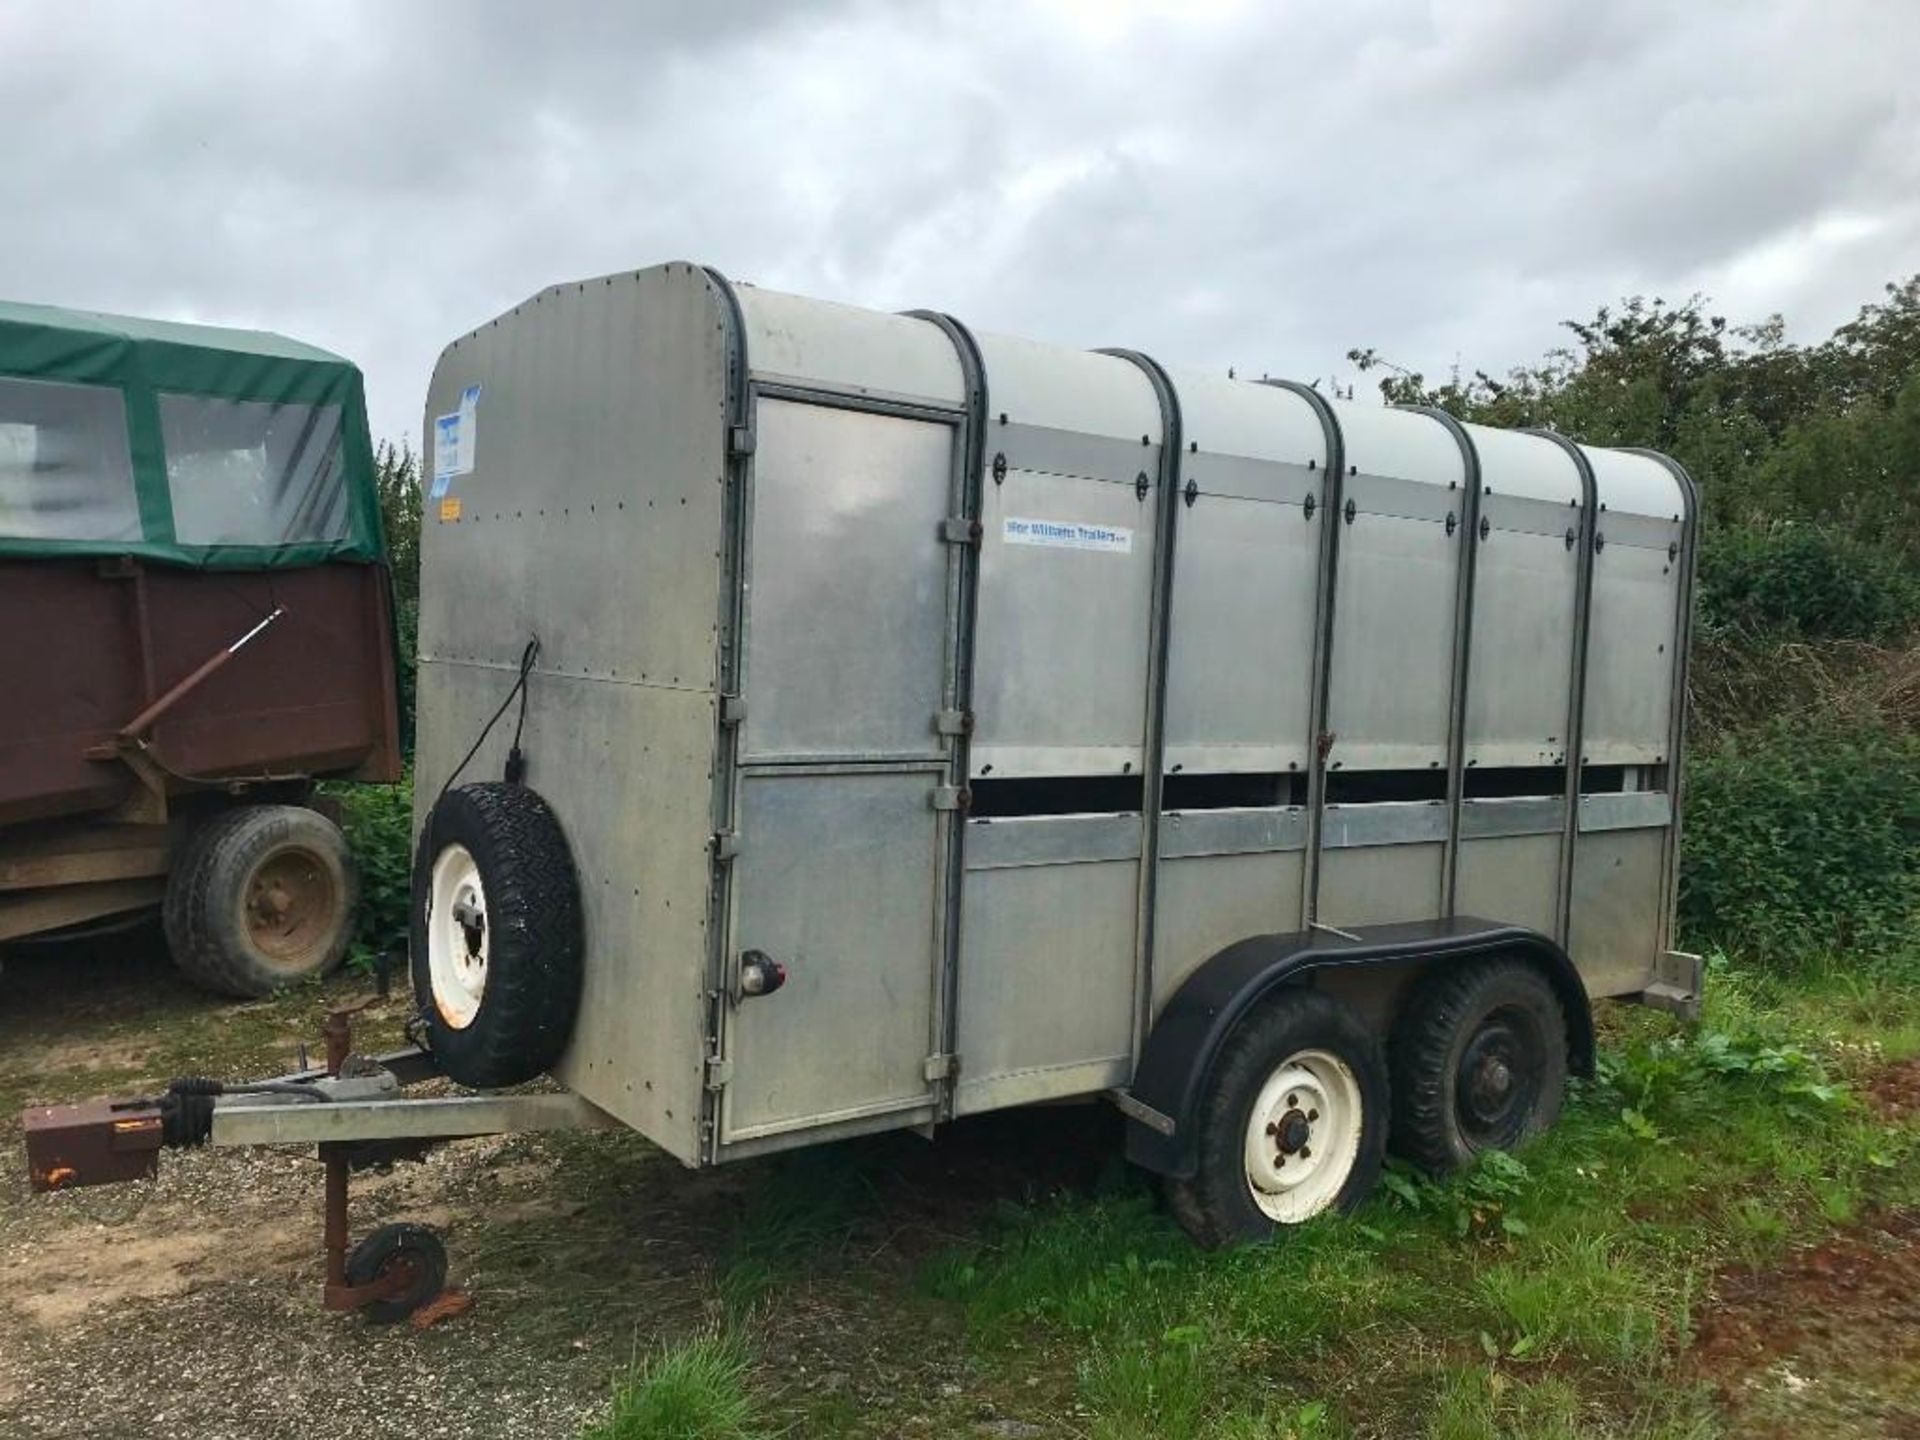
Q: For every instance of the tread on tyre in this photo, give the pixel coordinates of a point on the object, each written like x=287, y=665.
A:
x=497, y=936
x=1479, y=1062
x=264, y=896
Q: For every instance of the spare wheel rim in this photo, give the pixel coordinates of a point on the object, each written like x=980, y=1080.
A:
x=459, y=937
x=1303, y=1136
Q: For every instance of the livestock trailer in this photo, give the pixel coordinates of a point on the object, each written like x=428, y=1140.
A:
x=198, y=625
x=895, y=722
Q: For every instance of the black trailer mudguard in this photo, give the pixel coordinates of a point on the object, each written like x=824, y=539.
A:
x=1181, y=1049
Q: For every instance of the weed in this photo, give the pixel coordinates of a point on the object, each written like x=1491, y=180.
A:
x=694, y=1391
x=1475, y=1203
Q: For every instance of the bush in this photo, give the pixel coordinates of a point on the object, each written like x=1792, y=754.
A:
x=1801, y=840
x=378, y=820
x=1801, y=583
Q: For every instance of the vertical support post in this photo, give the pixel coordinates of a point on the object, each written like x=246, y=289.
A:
x=1153, y=765
x=737, y=478
x=337, y=1032
x=963, y=608
x=1688, y=561
x=1320, y=741
x=1577, y=690
x=1469, y=533
x=335, y=1223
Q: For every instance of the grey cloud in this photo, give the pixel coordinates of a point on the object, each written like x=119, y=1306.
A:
x=1257, y=184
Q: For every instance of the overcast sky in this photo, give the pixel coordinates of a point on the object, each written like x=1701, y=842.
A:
x=1262, y=184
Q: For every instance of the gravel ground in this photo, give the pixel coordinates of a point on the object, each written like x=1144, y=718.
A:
x=188, y=1306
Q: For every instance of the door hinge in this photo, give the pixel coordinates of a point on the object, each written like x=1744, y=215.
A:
x=719, y=1072
x=942, y=1067
x=953, y=722
x=733, y=709
x=726, y=844
x=951, y=797
x=960, y=531
x=739, y=441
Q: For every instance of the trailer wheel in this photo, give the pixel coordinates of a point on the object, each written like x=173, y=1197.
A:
x=1293, y=1125
x=263, y=897
x=410, y=1258
x=497, y=937
x=1479, y=1058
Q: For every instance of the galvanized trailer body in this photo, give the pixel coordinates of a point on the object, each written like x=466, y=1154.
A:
x=994, y=686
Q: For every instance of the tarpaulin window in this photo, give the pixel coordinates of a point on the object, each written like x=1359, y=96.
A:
x=65, y=468
x=253, y=472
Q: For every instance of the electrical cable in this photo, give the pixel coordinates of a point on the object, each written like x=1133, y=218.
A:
x=516, y=761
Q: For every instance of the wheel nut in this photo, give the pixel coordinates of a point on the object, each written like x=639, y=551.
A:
x=1306, y=1152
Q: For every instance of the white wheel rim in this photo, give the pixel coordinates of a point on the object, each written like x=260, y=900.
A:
x=458, y=936
x=1303, y=1136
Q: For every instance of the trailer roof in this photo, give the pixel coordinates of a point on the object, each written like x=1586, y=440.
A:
x=188, y=444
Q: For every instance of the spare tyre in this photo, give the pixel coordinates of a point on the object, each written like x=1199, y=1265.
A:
x=497, y=937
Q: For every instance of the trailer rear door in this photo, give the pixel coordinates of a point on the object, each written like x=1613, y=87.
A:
x=839, y=870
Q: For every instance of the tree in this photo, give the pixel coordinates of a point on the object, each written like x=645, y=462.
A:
x=397, y=480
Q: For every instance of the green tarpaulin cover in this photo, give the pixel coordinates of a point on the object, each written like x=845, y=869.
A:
x=181, y=443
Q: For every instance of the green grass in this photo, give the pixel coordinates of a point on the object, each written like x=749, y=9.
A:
x=1544, y=1295
x=1547, y=1296
x=695, y=1391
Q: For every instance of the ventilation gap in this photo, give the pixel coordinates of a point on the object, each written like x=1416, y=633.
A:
x=1056, y=795
x=1380, y=787
x=1507, y=782
x=1259, y=790
x=1622, y=779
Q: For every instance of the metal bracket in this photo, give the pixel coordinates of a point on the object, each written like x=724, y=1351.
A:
x=953, y=722
x=733, y=709
x=1141, y=485
x=1678, y=979
x=960, y=531
x=740, y=441
x=1192, y=492
x=726, y=844
x=1139, y=1110
x=719, y=1072
x=951, y=797
x=942, y=1067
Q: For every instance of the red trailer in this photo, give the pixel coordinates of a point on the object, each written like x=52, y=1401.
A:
x=196, y=625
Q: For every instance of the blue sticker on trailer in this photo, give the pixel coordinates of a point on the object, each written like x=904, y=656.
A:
x=455, y=438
